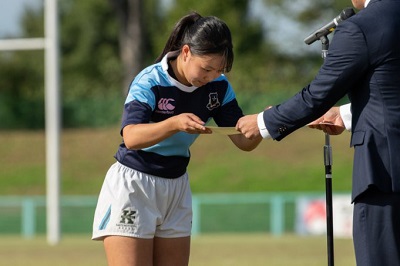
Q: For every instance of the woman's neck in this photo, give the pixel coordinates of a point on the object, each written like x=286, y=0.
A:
x=177, y=69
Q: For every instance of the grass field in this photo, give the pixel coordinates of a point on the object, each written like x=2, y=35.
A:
x=294, y=164
x=207, y=250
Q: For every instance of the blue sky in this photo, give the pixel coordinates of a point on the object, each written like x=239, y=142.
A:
x=10, y=14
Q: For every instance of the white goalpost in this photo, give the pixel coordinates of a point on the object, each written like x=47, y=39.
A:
x=50, y=44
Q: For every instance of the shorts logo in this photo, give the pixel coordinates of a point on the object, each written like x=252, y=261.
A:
x=128, y=217
x=127, y=222
x=166, y=106
x=213, y=101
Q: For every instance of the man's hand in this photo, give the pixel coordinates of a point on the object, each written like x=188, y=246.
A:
x=248, y=126
x=331, y=122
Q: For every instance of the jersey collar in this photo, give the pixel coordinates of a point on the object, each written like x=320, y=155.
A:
x=164, y=65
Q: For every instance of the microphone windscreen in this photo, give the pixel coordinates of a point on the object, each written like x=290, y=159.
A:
x=346, y=13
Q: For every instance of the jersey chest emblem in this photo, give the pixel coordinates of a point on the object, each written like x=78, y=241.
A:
x=165, y=106
x=213, y=101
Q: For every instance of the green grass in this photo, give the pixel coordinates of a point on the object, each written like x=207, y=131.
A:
x=294, y=164
x=210, y=250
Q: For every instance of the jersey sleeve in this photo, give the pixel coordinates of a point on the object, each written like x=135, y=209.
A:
x=140, y=102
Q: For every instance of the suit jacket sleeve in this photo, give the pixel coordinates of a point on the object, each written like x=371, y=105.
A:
x=347, y=59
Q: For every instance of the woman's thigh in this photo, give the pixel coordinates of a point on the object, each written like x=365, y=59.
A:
x=128, y=251
x=171, y=251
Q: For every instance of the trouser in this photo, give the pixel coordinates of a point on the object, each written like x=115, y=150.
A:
x=376, y=228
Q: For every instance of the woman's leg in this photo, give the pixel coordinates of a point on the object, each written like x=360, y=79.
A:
x=128, y=251
x=171, y=251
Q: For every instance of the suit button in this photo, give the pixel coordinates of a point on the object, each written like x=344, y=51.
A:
x=282, y=129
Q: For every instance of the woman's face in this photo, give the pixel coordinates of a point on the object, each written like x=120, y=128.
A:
x=199, y=70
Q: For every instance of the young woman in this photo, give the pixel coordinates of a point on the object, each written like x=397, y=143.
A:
x=144, y=211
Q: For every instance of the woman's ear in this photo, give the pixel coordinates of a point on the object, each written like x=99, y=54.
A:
x=185, y=52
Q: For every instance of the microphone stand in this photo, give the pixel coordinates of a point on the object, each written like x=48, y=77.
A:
x=328, y=176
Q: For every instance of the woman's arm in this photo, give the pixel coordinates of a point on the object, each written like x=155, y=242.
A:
x=141, y=136
x=244, y=143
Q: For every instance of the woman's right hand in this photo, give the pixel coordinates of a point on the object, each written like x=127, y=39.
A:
x=190, y=123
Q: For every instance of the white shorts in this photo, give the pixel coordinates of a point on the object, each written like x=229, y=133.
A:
x=135, y=204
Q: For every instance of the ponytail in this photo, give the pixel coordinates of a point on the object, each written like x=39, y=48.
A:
x=175, y=40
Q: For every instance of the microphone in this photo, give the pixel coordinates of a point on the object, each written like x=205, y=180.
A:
x=330, y=27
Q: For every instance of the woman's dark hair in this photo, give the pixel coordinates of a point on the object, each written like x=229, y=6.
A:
x=204, y=36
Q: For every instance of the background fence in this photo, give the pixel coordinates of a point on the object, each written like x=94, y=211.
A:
x=275, y=213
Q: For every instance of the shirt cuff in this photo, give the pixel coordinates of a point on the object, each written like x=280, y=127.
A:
x=261, y=126
x=345, y=114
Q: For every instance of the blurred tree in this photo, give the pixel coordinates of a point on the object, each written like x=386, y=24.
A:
x=90, y=67
x=104, y=44
x=21, y=83
x=132, y=37
x=247, y=33
x=89, y=48
x=309, y=11
x=287, y=23
x=292, y=21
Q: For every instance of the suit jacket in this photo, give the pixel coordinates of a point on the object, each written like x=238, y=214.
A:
x=363, y=62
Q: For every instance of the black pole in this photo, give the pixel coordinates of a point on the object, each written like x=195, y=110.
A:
x=328, y=192
x=328, y=177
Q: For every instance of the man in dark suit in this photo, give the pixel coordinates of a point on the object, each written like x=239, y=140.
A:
x=363, y=62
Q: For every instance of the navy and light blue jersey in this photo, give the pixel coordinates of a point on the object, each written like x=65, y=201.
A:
x=155, y=96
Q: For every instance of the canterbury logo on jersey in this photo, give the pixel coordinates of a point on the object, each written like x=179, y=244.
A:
x=165, y=106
